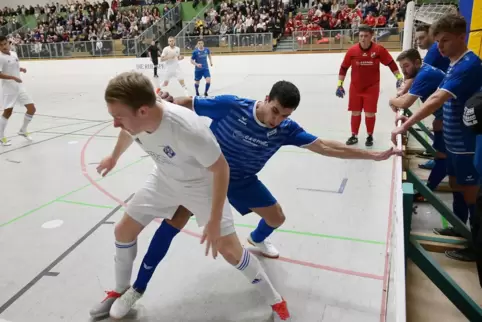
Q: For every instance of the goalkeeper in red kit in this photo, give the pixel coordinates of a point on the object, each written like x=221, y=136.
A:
x=364, y=58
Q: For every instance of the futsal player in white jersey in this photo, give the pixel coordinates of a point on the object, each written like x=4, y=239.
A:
x=190, y=173
x=13, y=91
x=171, y=55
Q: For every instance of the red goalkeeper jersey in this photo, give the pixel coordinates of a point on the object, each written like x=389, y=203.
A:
x=365, y=65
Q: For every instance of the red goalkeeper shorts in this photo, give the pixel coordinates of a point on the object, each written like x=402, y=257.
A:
x=366, y=101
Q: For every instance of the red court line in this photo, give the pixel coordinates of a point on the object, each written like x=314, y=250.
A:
x=283, y=259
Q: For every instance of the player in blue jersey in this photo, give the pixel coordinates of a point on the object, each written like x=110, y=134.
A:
x=426, y=42
x=199, y=59
x=249, y=133
x=463, y=79
x=433, y=58
x=426, y=80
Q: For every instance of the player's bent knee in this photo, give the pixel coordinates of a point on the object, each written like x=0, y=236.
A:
x=31, y=109
x=7, y=112
x=127, y=229
x=230, y=248
x=369, y=114
x=356, y=113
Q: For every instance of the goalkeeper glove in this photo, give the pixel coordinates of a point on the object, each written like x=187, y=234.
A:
x=340, y=91
x=399, y=79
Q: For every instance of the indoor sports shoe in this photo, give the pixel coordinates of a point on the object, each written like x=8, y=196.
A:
x=123, y=304
x=266, y=248
x=25, y=135
x=280, y=312
x=5, y=142
x=102, y=309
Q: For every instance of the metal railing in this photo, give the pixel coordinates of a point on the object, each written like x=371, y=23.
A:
x=77, y=49
x=229, y=43
x=189, y=28
x=168, y=21
x=338, y=40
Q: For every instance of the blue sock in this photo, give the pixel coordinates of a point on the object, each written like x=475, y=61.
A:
x=196, y=86
x=207, y=88
x=438, y=173
x=460, y=208
x=157, y=250
x=261, y=232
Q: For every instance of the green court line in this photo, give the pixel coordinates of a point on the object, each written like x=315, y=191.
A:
x=304, y=233
x=294, y=232
x=85, y=204
x=28, y=213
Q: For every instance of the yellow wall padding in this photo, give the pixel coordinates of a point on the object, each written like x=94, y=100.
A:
x=475, y=37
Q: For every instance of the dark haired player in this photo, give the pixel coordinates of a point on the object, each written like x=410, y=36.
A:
x=249, y=133
x=364, y=58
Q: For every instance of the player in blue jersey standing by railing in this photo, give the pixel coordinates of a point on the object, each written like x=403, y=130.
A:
x=199, y=59
x=463, y=79
x=425, y=81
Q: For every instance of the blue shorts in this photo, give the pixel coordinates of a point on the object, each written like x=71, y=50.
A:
x=439, y=142
x=200, y=73
x=461, y=166
x=249, y=193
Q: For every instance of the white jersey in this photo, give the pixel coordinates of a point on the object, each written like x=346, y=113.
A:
x=183, y=146
x=9, y=65
x=173, y=55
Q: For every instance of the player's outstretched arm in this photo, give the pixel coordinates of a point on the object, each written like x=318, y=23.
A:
x=405, y=87
x=433, y=103
x=108, y=163
x=339, y=150
x=124, y=141
x=402, y=102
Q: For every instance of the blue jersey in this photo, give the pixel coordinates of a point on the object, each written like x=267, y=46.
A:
x=463, y=79
x=426, y=83
x=434, y=58
x=201, y=57
x=246, y=143
x=478, y=155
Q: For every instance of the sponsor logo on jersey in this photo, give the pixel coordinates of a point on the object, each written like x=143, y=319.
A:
x=249, y=139
x=272, y=133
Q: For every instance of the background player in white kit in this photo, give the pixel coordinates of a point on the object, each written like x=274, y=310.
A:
x=190, y=171
x=171, y=55
x=13, y=91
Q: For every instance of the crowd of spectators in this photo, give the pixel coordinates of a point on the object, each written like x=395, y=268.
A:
x=337, y=15
x=82, y=21
x=242, y=17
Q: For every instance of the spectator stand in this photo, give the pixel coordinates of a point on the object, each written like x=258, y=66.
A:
x=91, y=30
x=223, y=30
x=334, y=27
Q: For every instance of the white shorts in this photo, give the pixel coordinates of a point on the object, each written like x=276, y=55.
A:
x=10, y=100
x=158, y=200
x=173, y=72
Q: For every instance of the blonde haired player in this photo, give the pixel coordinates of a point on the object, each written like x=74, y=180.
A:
x=171, y=55
x=190, y=171
x=13, y=91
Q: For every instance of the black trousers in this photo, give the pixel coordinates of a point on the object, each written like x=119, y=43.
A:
x=155, y=62
x=477, y=234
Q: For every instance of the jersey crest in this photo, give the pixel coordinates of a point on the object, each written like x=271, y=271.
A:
x=169, y=151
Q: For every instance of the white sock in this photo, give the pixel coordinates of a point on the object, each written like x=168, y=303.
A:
x=26, y=120
x=3, y=125
x=125, y=254
x=251, y=268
